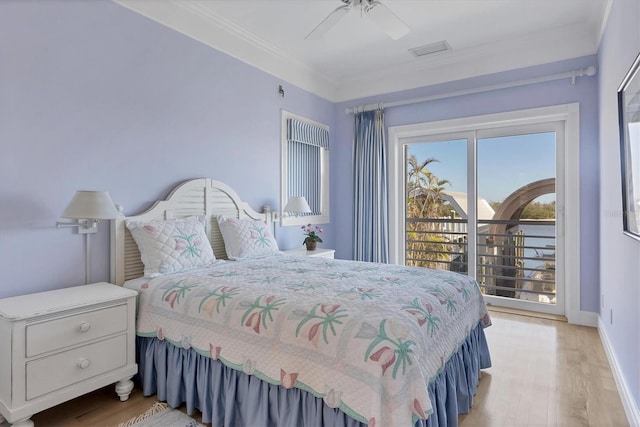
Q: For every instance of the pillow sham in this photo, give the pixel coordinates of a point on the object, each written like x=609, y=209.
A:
x=244, y=238
x=169, y=246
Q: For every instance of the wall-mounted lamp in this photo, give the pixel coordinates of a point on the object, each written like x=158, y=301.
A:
x=88, y=208
x=296, y=206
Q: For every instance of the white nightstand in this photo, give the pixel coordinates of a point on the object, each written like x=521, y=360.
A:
x=319, y=252
x=61, y=344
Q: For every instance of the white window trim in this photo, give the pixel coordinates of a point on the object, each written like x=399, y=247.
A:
x=285, y=218
x=567, y=113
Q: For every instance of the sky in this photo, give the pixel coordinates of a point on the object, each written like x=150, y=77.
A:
x=504, y=164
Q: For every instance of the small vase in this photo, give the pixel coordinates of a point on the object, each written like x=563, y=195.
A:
x=311, y=246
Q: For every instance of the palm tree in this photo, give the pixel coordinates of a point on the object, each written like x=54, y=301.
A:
x=424, y=188
x=434, y=190
x=424, y=200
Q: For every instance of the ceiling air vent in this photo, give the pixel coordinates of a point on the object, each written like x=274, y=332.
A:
x=430, y=49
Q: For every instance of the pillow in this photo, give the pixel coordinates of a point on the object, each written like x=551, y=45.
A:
x=171, y=245
x=244, y=238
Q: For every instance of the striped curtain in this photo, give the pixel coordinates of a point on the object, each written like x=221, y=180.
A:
x=370, y=184
x=305, y=143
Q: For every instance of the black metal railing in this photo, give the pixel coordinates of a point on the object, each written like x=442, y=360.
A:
x=515, y=258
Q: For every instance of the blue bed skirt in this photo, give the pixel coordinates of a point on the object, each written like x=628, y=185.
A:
x=230, y=398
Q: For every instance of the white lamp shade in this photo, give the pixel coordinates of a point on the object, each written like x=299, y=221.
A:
x=297, y=205
x=91, y=205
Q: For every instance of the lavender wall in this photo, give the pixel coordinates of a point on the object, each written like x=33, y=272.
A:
x=94, y=96
x=619, y=254
x=538, y=95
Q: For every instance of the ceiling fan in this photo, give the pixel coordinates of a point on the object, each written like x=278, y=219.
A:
x=376, y=11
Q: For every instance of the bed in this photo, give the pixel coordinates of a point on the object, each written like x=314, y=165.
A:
x=249, y=336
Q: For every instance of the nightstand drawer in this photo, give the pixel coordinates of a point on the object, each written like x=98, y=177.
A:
x=66, y=331
x=68, y=367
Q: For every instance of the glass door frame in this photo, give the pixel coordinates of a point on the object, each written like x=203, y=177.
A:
x=505, y=131
x=568, y=179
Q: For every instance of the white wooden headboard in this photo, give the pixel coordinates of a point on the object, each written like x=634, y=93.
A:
x=202, y=196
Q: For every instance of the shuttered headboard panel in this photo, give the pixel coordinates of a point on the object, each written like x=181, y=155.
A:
x=202, y=196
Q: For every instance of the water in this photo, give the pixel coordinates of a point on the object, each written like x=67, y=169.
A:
x=540, y=242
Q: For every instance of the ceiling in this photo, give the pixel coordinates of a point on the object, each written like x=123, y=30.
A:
x=356, y=59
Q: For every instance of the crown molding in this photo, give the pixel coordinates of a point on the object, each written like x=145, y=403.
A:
x=190, y=18
x=560, y=44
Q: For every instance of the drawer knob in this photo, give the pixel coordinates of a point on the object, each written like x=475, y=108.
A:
x=85, y=326
x=84, y=363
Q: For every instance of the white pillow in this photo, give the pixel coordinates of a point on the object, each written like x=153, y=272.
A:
x=171, y=245
x=244, y=238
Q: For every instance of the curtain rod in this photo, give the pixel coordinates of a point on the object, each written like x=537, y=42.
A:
x=588, y=71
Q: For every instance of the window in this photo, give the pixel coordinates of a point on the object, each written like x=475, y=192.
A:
x=305, y=168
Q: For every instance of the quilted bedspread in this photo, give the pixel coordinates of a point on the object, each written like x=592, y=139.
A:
x=366, y=338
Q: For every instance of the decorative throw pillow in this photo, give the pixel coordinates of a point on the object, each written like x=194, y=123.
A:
x=171, y=245
x=244, y=238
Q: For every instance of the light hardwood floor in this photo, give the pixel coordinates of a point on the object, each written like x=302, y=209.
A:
x=545, y=373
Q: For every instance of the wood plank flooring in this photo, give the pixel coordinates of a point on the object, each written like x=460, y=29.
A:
x=545, y=373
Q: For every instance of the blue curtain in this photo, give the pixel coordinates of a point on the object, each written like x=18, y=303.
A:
x=370, y=185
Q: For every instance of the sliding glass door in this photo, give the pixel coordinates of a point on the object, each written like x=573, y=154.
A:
x=485, y=202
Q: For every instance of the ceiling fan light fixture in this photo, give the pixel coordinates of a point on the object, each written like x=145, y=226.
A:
x=381, y=15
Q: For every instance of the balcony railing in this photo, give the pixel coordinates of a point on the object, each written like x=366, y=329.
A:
x=515, y=258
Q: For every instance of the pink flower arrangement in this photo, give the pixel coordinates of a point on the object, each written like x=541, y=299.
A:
x=312, y=233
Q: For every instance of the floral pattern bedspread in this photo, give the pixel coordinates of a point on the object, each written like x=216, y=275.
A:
x=367, y=338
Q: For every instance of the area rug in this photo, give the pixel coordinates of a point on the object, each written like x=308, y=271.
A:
x=161, y=415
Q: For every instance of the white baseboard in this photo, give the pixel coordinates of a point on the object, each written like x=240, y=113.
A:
x=585, y=318
x=630, y=406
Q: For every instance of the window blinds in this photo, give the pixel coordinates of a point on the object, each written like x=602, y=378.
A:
x=305, y=143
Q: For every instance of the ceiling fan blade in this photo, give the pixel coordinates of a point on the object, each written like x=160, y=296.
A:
x=328, y=22
x=386, y=19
